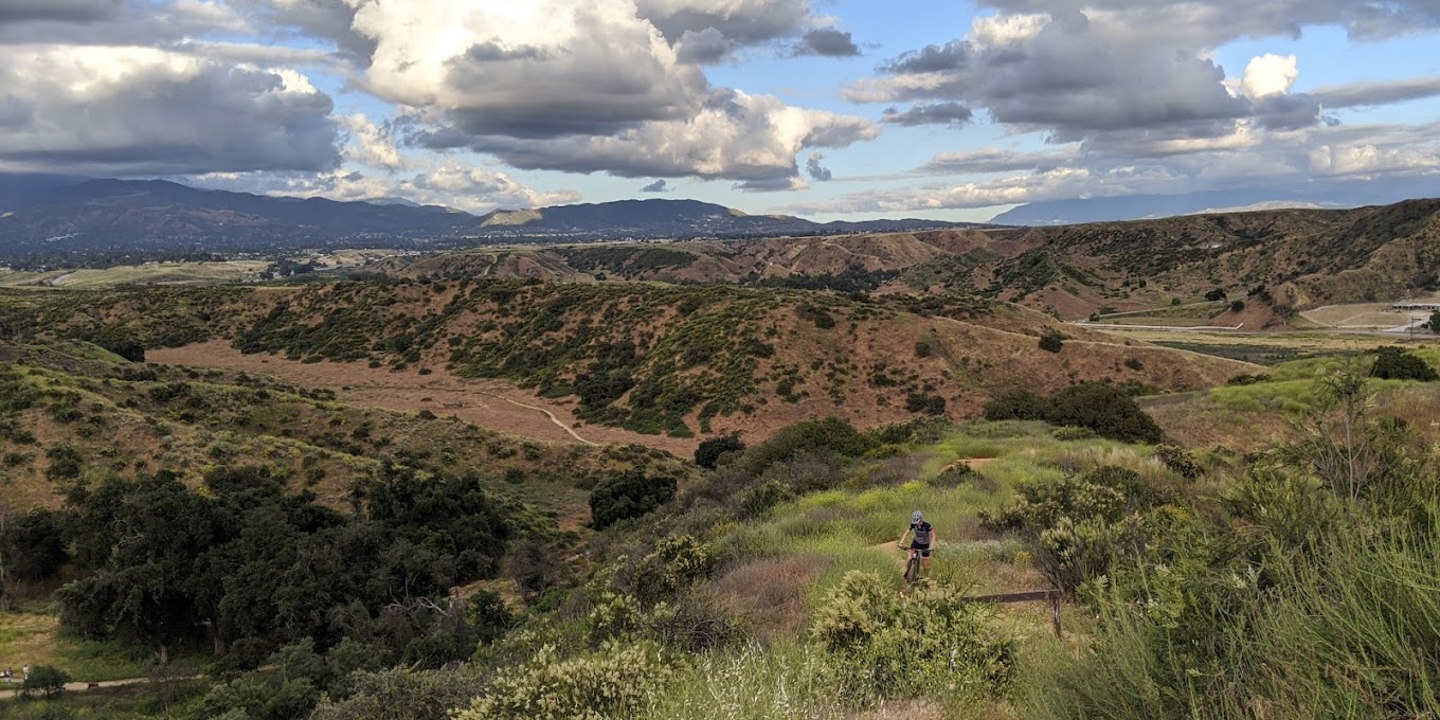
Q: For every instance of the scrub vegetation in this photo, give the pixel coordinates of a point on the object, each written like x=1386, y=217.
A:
x=260, y=551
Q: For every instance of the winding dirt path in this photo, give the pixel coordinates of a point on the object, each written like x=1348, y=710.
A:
x=553, y=419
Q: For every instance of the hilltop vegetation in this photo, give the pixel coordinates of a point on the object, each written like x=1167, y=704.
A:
x=651, y=358
x=1282, y=261
x=431, y=567
x=1217, y=548
x=768, y=587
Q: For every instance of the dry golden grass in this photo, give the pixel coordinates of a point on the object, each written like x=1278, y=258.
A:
x=769, y=594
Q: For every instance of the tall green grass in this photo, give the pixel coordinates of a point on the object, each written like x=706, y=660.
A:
x=1353, y=632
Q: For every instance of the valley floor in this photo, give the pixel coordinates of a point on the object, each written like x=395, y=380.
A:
x=493, y=404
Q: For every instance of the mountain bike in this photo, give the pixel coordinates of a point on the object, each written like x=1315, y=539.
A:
x=912, y=564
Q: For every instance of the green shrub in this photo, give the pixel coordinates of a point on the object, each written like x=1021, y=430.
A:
x=1105, y=409
x=1080, y=524
x=46, y=680
x=1017, y=404
x=885, y=645
x=760, y=498
x=1394, y=364
x=707, y=454
x=828, y=436
x=677, y=563
x=1179, y=460
x=614, y=682
x=626, y=495
x=1052, y=341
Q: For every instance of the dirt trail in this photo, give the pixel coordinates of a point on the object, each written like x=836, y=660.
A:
x=78, y=686
x=494, y=404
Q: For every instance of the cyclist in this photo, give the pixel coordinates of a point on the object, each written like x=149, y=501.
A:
x=923, y=539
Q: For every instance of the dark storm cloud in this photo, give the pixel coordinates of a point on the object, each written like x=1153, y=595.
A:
x=659, y=186
x=943, y=113
x=59, y=10
x=827, y=43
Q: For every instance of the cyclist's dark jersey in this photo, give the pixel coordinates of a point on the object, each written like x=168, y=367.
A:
x=921, y=534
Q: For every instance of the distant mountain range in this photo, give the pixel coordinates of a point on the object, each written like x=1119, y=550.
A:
x=56, y=216
x=1334, y=195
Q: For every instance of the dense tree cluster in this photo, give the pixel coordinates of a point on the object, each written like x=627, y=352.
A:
x=1104, y=408
x=1395, y=364
x=245, y=562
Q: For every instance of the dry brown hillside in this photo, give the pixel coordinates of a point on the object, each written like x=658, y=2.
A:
x=1289, y=260
x=650, y=358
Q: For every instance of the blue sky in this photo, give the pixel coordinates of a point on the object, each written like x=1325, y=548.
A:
x=831, y=109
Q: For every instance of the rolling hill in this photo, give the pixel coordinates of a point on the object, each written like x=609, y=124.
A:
x=677, y=360
x=138, y=217
x=1280, y=261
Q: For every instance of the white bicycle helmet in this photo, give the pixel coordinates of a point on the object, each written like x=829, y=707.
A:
x=916, y=516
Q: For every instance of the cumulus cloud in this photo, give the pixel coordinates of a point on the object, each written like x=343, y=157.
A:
x=941, y=113
x=592, y=85
x=827, y=42
x=1268, y=75
x=1082, y=72
x=734, y=136
x=659, y=186
x=1326, y=162
x=540, y=69
x=740, y=22
x=127, y=111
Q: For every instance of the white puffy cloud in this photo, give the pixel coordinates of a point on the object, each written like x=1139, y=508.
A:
x=734, y=136
x=1101, y=67
x=129, y=110
x=1268, y=75
x=592, y=85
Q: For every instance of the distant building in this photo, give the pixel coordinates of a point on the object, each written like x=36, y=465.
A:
x=1413, y=306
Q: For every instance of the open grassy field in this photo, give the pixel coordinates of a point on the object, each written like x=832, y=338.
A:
x=192, y=273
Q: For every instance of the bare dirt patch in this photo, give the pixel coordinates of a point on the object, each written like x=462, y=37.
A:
x=494, y=404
